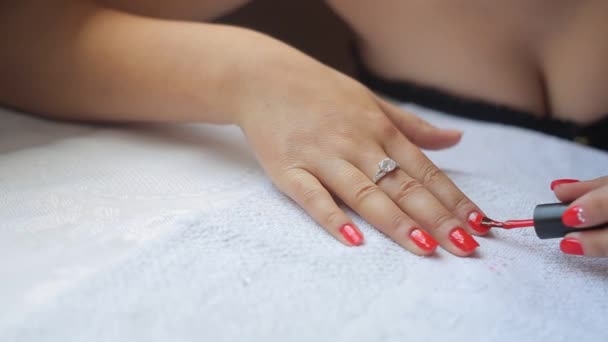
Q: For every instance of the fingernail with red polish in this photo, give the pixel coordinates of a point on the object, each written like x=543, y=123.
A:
x=573, y=216
x=423, y=240
x=557, y=182
x=474, y=221
x=571, y=246
x=352, y=235
x=461, y=239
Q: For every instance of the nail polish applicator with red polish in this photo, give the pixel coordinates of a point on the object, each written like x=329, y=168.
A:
x=547, y=222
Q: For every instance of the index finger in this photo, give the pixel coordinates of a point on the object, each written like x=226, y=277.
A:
x=570, y=189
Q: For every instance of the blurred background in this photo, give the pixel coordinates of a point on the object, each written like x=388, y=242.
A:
x=309, y=25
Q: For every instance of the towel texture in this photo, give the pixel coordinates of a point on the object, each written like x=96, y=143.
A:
x=174, y=233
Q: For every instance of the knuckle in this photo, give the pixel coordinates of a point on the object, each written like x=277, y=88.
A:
x=288, y=166
x=398, y=221
x=295, y=178
x=283, y=163
x=441, y=219
x=341, y=142
x=349, y=146
x=430, y=173
x=406, y=189
x=462, y=202
x=372, y=115
x=386, y=129
x=311, y=196
x=332, y=218
x=363, y=191
x=381, y=123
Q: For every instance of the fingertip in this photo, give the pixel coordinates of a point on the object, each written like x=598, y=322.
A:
x=479, y=233
x=421, y=253
x=462, y=254
x=571, y=246
x=560, y=196
x=474, y=221
x=442, y=139
x=424, y=241
x=574, y=216
x=453, y=136
x=593, y=243
x=351, y=235
x=455, y=132
x=565, y=193
x=554, y=184
x=465, y=244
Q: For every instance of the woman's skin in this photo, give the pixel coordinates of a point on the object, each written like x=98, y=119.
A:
x=314, y=130
x=589, y=208
x=541, y=56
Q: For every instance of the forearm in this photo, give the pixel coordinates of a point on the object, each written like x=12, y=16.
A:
x=80, y=61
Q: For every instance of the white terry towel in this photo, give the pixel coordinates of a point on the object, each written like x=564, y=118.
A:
x=252, y=266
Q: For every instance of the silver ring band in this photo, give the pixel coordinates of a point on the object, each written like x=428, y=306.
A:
x=385, y=166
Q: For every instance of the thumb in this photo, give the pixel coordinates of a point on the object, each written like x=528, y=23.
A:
x=419, y=131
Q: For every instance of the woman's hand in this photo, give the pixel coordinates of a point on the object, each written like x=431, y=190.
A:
x=589, y=207
x=316, y=132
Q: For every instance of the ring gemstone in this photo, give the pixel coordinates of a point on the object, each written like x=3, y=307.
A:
x=387, y=165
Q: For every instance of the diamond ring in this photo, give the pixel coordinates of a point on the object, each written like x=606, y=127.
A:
x=385, y=166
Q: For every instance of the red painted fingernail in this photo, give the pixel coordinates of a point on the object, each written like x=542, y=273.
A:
x=474, y=221
x=352, y=235
x=573, y=216
x=423, y=240
x=571, y=246
x=562, y=181
x=461, y=239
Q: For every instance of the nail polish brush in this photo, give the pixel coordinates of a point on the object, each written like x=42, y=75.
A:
x=547, y=222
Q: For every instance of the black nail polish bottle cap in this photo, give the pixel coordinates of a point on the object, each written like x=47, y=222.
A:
x=548, y=221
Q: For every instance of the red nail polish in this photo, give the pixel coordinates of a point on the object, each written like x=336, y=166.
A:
x=474, y=221
x=562, y=181
x=423, y=240
x=461, y=239
x=573, y=216
x=571, y=246
x=352, y=235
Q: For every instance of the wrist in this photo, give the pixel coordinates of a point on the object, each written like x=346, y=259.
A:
x=268, y=77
